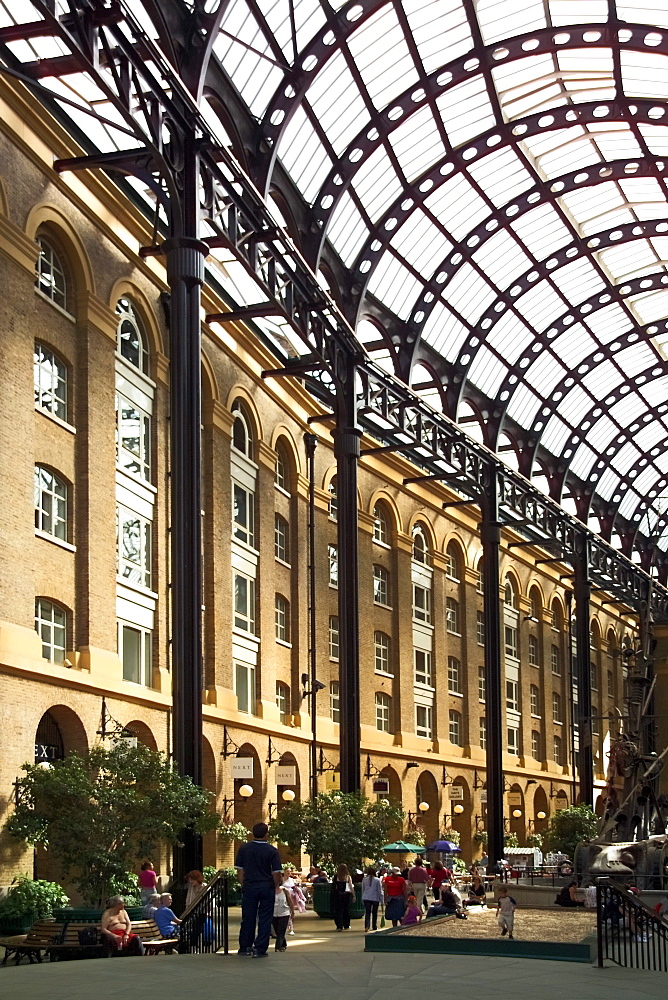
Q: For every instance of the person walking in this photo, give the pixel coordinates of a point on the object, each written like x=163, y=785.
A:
x=394, y=887
x=260, y=871
x=418, y=878
x=148, y=882
x=437, y=876
x=342, y=894
x=505, y=912
x=372, y=896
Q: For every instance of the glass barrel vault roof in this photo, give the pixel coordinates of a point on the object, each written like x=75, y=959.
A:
x=492, y=176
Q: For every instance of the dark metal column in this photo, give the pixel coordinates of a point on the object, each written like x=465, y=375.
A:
x=185, y=256
x=490, y=535
x=582, y=591
x=347, y=437
x=310, y=443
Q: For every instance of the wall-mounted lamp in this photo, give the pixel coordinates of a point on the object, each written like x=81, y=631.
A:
x=459, y=809
x=246, y=791
x=517, y=813
x=531, y=618
x=412, y=763
x=541, y=814
x=423, y=807
x=288, y=795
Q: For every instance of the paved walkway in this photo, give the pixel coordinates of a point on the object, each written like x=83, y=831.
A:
x=321, y=964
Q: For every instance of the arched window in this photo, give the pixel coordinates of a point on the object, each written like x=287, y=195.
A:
x=452, y=562
x=536, y=605
x=420, y=546
x=333, y=500
x=381, y=525
x=242, y=437
x=381, y=649
x=282, y=618
x=283, y=700
x=281, y=539
x=455, y=727
x=50, y=277
x=48, y=740
x=50, y=380
x=510, y=594
x=282, y=470
x=51, y=626
x=50, y=503
x=383, y=712
x=381, y=585
x=131, y=341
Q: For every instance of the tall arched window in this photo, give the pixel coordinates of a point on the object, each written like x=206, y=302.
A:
x=131, y=340
x=242, y=437
x=420, y=546
x=452, y=562
x=510, y=594
x=333, y=499
x=50, y=277
x=282, y=469
x=381, y=525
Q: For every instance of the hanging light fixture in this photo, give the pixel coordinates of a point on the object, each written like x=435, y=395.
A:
x=423, y=807
x=541, y=815
x=288, y=795
x=459, y=808
x=246, y=791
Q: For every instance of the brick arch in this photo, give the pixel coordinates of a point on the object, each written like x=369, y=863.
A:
x=124, y=289
x=143, y=733
x=72, y=729
x=49, y=219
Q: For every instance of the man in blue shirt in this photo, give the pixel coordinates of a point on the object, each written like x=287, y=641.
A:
x=165, y=917
x=259, y=867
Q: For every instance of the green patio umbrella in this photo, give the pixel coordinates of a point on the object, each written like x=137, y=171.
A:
x=401, y=847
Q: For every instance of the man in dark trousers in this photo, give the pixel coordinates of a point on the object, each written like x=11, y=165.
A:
x=260, y=874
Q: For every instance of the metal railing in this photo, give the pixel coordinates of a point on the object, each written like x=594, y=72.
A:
x=204, y=926
x=628, y=932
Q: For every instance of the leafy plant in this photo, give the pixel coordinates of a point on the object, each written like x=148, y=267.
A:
x=36, y=896
x=570, y=826
x=450, y=834
x=127, y=886
x=233, y=831
x=510, y=840
x=232, y=876
x=535, y=840
x=98, y=812
x=338, y=827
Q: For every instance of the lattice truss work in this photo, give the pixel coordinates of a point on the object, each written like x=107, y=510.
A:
x=482, y=187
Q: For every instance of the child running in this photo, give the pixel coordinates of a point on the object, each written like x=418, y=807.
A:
x=505, y=912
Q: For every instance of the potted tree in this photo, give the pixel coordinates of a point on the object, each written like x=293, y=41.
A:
x=29, y=900
x=99, y=812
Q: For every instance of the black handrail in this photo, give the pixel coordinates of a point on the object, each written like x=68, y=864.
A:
x=204, y=927
x=628, y=932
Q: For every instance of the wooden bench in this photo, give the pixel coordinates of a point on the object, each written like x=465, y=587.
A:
x=41, y=936
x=69, y=946
x=152, y=940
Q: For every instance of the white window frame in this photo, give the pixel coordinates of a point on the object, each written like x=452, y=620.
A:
x=452, y=616
x=50, y=279
x=334, y=647
x=558, y=750
x=52, y=632
x=127, y=315
x=383, y=712
x=454, y=675
x=50, y=376
x=452, y=570
x=131, y=572
x=424, y=674
x=243, y=515
x=245, y=687
x=381, y=653
x=281, y=539
x=143, y=675
x=424, y=721
x=421, y=603
x=335, y=701
x=480, y=628
x=51, y=503
x=243, y=607
x=533, y=651
x=381, y=585
x=482, y=685
x=282, y=618
x=482, y=732
x=510, y=638
x=333, y=557
x=555, y=660
x=455, y=727
x=513, y=741
x=126, y=457
x=512, y=695
x=534, y=695
x=381, y=528
x=556, y=708
x=536, y=751
x=283, y=699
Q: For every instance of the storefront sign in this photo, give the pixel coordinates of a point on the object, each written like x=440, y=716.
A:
x=456, y=793
x=286, y=774
x=483, y=795
x=381, y=786
x=514, y=798
x=242, y=767
x=332, y=781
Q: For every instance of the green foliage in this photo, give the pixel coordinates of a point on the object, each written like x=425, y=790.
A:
x=480, y=837
x=570, y=826
x=535, y=840
x=98, y=812
x=36, y=896
x=459, y=865
x=127, y=886
x=415, y=836
x=451, y=835
x=233, y=831
x=338, y=827
x=510, y=840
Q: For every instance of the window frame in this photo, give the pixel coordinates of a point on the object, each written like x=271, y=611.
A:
x=422, y=609
x=243, y=515
x=534, y=700
x=333, y=558
x=281, y=539
x=143, y=459
x=51, y=518
x=454, y=676
x=425, y=730
x=533, y=651
x=381, y=586
x=335, y=702
x=381, y=526
x=46, y=282
x=556, y=709
x=334, y=643
x=383, y=706
x=452, y=616
x=385, y=645
x=127, y=313
x=239, y=616
x=427, y=672
x=57, y=372
x=455, y=726
x=42, y=623
x=129, y=572
x=247, y=672
x=282, y=619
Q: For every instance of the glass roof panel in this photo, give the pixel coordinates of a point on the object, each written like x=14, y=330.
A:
x=651, y=306
x=382, y=57
x=524, y=405
x=331, y=88
x=503, y=18
x=303, y=154
x=583, y=461
x=564, y=12
x=545, y=373
x=644, y=74
x=469, y=293
x=510, y=336
x=441, y=31
x=393, y=283
x=458, y=203
x=578, y=280
x=466, y=110
x=626, y=457
x=502, y=175
x=420, y=243
x=417, y=143
x=556, y=435
x=607, y=484
x=574, y=345
x=445, y=332
x=376, y=183
x=501, y=259
x=347, y=230
x=540, y=306
x=602, y=432
x=542, y=231
x=487, y=372
x=644, y=12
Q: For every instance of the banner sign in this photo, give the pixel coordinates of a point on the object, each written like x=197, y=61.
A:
x=381, y=786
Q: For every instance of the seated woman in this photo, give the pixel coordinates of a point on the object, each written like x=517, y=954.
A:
x=477, y=891
x=567, y=897
x=116, y=929
x=448, y=903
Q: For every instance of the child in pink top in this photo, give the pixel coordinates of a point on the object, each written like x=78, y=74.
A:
x=413, y=914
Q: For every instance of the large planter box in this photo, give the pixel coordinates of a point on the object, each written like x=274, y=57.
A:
x=17, y=925
x=322, y=901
